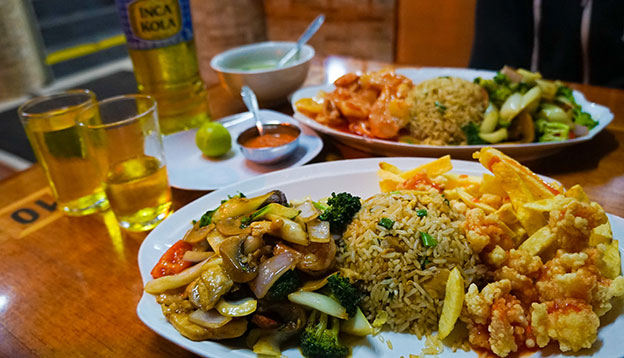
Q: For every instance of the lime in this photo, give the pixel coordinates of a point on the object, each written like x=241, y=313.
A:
x=213, y=139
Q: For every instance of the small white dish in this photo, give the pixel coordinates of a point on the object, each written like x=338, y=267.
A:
x=189, y=169
x=522, y=152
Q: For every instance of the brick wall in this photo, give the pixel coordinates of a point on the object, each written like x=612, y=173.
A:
x=359, y=28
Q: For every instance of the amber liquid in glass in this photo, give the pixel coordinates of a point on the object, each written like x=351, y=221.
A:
x=139, y=193
x=73, y=175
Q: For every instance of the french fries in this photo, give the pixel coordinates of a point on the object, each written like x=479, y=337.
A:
x=392, y=177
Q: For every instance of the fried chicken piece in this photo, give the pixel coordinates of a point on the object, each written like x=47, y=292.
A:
x=571, y=322
x=206, y=290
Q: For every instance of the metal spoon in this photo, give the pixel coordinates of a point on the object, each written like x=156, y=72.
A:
x=307, y=34
x=249, y=97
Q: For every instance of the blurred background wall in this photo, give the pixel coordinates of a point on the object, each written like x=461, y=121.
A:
x=80, y=34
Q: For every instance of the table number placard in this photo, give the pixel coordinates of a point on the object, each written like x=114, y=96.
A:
x=27, y=215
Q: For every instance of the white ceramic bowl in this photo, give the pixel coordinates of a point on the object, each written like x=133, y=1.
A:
x=272, y=86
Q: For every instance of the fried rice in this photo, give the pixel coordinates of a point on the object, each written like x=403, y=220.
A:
x=440, y=107
x=404, y=280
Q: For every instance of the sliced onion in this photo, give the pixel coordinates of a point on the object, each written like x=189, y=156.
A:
x=308, y=211
x=165, y=283
x=197, y=256
x=580, y=130
x=210, y=319
x=318, y=231
x=269, y=271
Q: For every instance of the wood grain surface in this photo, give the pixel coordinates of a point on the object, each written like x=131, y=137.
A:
x=70, y=288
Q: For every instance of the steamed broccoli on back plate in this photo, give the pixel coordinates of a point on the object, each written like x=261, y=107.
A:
x=523, y=107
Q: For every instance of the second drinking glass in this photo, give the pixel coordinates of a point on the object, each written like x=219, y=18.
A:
x=123, y=132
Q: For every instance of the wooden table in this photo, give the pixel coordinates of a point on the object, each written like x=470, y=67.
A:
x=69, y=286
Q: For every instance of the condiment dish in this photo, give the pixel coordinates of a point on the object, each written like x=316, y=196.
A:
x=269, y=154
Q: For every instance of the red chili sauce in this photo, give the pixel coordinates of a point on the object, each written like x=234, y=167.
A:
x=269, y=140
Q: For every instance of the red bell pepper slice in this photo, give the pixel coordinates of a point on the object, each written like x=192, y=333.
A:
x=172, y=261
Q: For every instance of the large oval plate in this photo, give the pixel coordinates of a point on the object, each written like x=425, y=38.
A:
x=319, y=180
x=522, y=152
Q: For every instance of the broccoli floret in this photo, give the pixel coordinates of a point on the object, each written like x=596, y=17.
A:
x=347, y=294
x=552, y=131
x=583, y=118
x=498, y=89
x=319, y=340
x=285, y=285
x=566, y=92
x=502, y=79
x=578, y=116
x=340, y=211
x=472, y=134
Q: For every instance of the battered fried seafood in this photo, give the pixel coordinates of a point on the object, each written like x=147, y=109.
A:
x=553, y=266
x=556, y=283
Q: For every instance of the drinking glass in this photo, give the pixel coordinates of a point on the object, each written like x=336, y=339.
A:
x=123, y=131
x=50, y=123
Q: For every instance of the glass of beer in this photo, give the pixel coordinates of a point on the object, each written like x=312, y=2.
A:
x=123, y=132
x=50, y=123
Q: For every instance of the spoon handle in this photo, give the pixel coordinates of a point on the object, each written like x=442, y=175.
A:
x=250, y=100
x=307, y=34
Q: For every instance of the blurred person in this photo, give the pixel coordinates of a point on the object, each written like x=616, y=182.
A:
x=571, y=40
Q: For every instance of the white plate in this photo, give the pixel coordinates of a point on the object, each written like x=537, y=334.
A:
x=319, y=180
x=189, y=169
x=522, y=152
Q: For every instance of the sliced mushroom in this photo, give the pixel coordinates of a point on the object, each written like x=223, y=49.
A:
x=277, y=196
x=197, y=234
x=238, y=265
x=232, y=226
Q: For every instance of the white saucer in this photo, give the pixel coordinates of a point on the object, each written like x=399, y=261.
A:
x=189, y=169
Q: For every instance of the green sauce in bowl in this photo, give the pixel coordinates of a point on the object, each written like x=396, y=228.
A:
x=258, y=65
